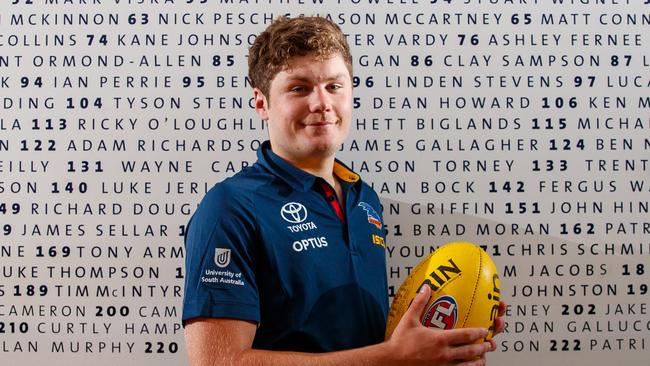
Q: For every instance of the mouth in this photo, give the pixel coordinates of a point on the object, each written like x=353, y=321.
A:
x=320, y=123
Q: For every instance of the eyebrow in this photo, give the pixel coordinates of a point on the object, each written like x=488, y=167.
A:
x=306, y=79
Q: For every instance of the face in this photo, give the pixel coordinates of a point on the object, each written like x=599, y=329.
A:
x=309, y=109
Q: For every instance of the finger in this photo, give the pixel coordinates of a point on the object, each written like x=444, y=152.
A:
x=414, y=312
x=465, y=335
x=470, y=352
x=493, y=345
x=499, y=325
x=477, y=362
x=502, y=308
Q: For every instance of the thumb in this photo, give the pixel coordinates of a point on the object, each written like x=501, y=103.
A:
x=416, y=308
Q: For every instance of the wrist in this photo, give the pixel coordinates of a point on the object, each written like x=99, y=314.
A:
x=389, y=352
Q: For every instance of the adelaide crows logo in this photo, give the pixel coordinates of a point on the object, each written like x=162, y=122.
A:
x=373, y=216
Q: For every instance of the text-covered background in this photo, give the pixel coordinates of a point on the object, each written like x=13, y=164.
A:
x=522, y=126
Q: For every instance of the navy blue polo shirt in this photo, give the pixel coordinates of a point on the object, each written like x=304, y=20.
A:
x=267, y=246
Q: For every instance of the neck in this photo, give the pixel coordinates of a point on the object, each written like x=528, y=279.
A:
x=320, y=164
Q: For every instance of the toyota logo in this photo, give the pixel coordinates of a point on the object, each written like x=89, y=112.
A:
x=294, y=212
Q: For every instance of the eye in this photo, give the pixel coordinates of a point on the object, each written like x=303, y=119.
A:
x=298, y=89
x=335, y=86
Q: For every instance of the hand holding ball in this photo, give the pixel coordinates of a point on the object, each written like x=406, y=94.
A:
x=465, y=290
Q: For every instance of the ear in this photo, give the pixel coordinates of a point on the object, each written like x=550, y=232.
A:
x=261, y=104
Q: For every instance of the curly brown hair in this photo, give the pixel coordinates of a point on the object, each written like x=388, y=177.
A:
x=286, y=38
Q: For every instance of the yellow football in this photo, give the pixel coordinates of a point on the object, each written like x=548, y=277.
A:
x=465, y=289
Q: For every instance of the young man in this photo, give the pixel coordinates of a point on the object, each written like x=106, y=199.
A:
x=285, y=260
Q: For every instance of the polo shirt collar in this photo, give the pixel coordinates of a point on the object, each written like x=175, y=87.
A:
x=297, y=178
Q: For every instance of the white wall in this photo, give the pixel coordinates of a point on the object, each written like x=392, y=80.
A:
x=589, y=272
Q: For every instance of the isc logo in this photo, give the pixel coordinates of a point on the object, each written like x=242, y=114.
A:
x=442, y=314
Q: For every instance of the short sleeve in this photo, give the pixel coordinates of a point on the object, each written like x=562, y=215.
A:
x=219, y=258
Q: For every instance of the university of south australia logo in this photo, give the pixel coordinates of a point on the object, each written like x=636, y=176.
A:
x=294, y=212
x=222, y=257
x=442, y=314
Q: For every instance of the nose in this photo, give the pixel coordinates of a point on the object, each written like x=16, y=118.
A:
x=320, y=100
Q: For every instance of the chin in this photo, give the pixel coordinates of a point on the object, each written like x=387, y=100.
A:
x=324, y=149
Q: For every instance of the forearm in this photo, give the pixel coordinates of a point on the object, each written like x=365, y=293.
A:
x=375, y=355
